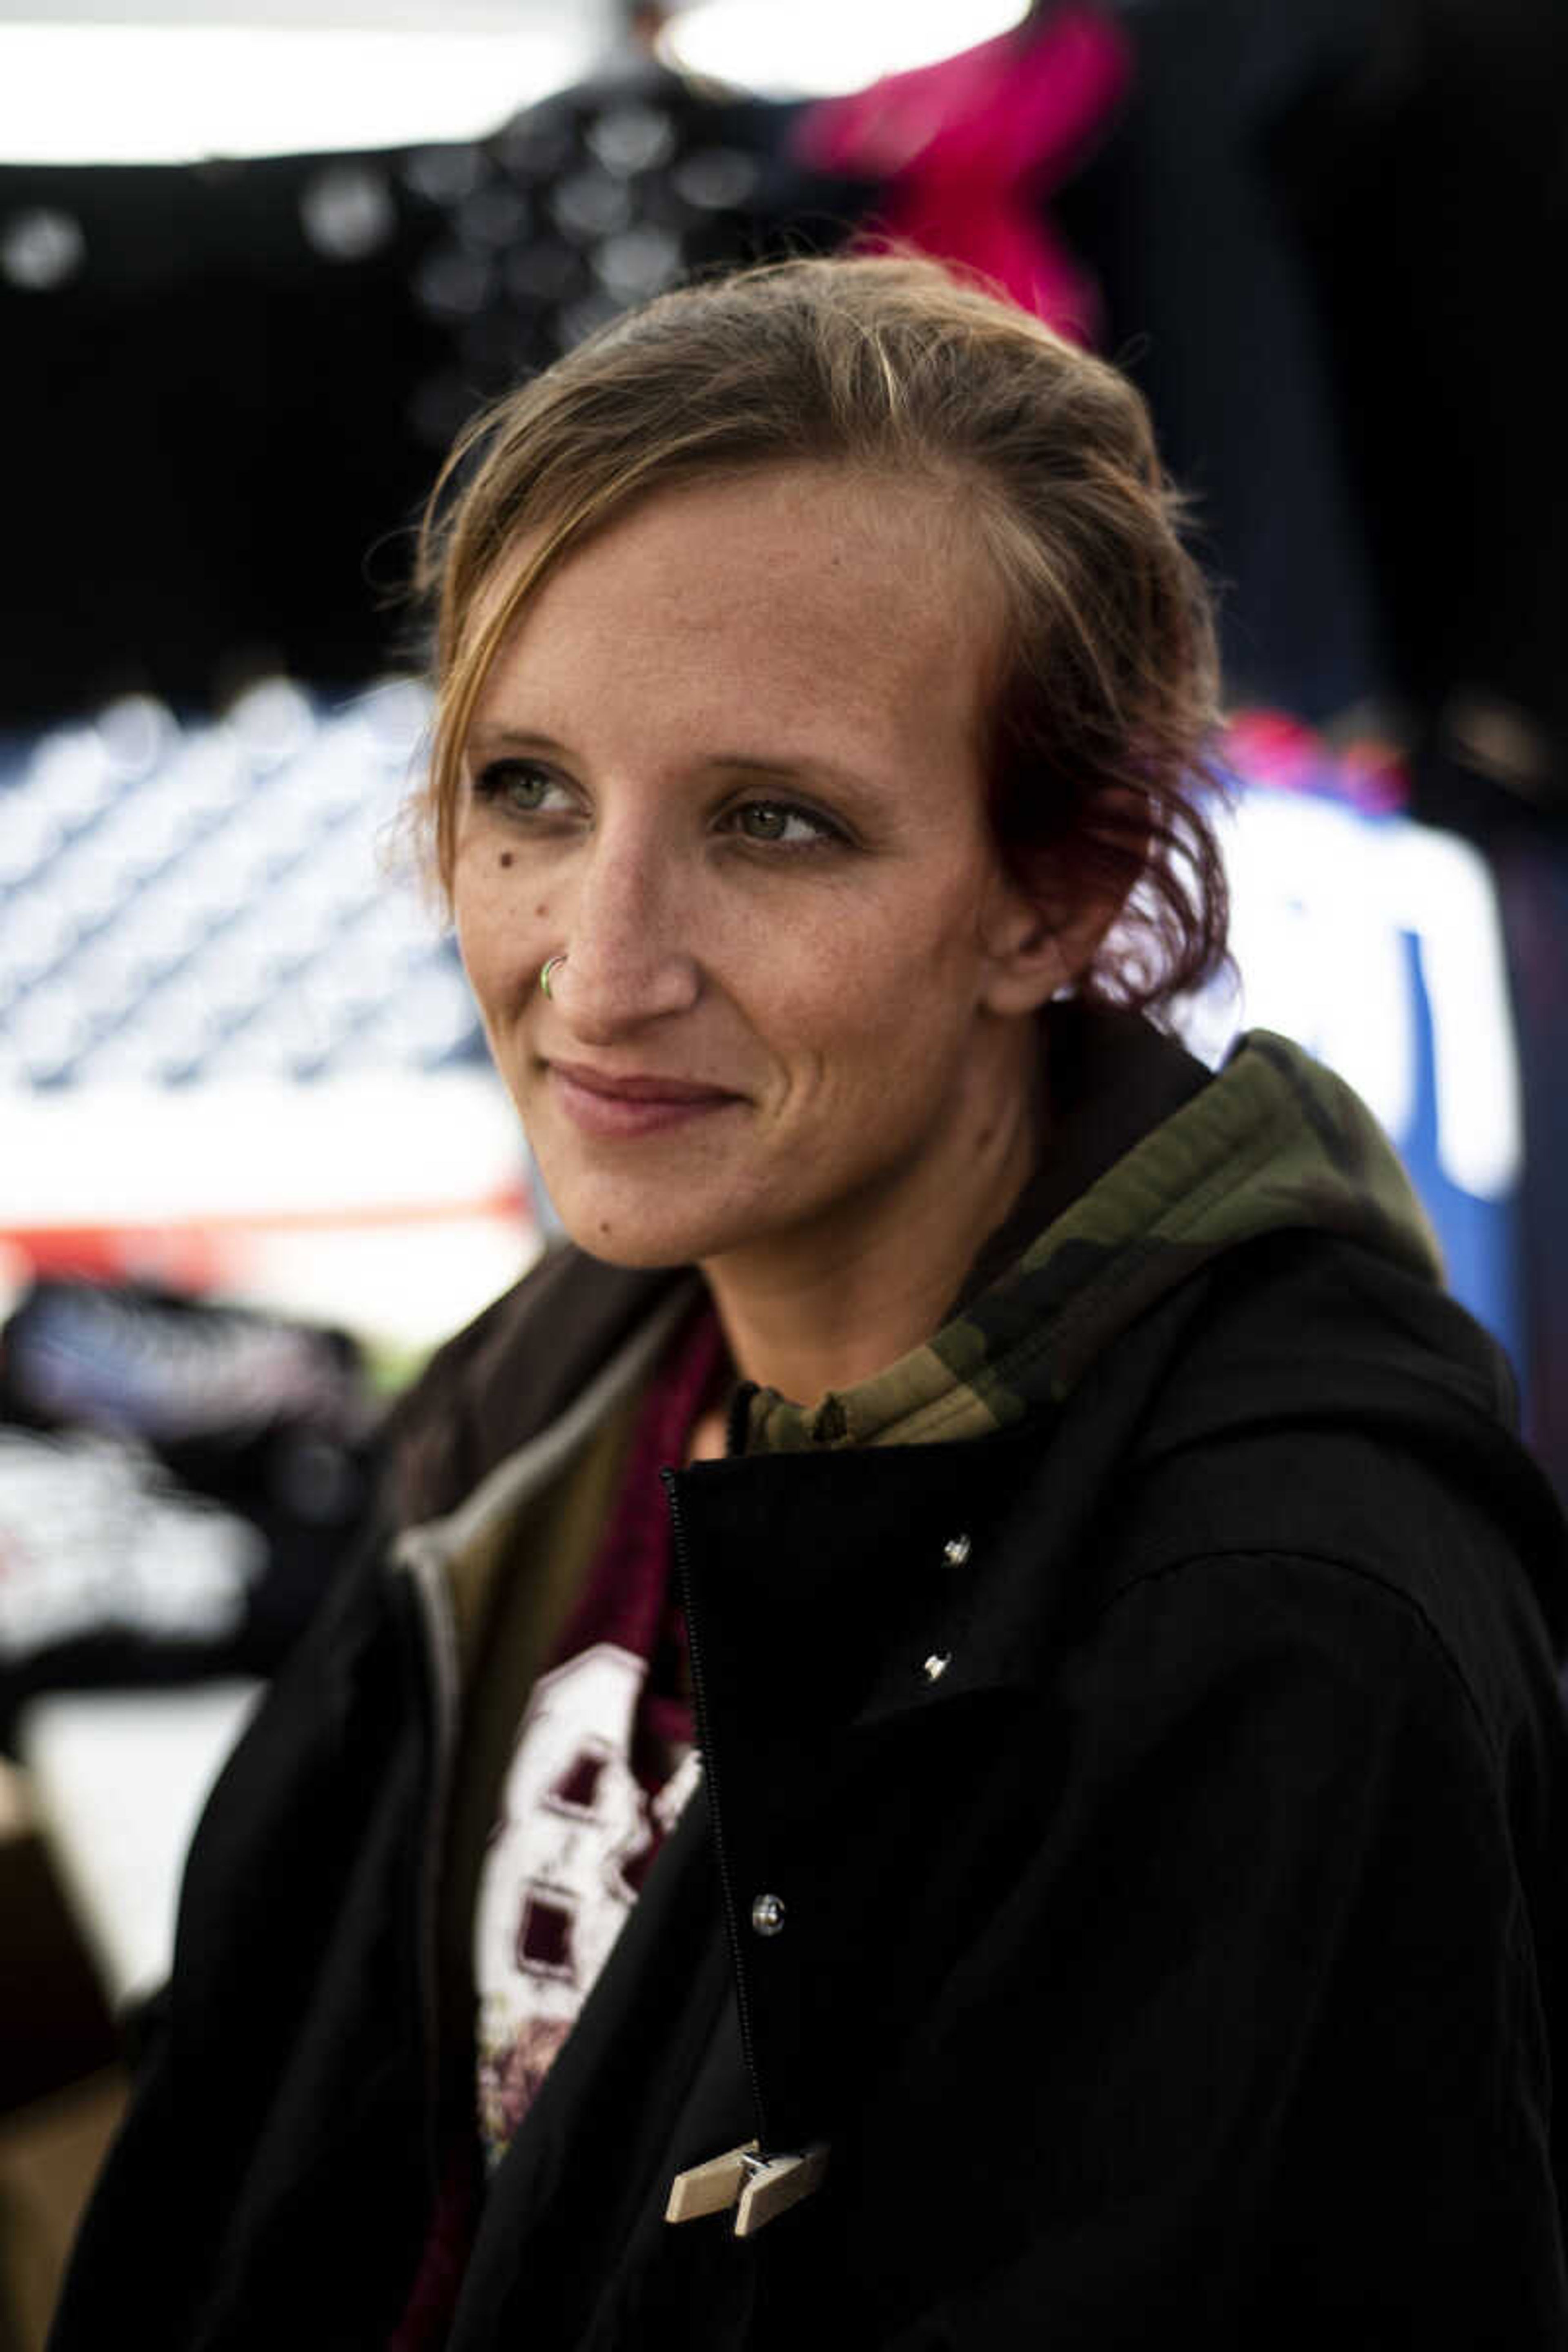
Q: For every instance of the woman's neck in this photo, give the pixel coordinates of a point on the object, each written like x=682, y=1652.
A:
x=830, y=1313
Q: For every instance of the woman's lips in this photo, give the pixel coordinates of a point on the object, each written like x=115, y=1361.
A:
x=606, y=1106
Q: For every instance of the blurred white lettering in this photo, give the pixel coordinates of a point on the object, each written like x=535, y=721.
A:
x=1326, y=902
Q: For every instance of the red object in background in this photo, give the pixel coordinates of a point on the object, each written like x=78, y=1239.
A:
x=969, y=148
x=187, y=1258
x=1264, y=746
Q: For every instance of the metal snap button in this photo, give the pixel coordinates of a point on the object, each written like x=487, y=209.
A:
x=937, y=1664
x=956, y=1551
x=767, y=1915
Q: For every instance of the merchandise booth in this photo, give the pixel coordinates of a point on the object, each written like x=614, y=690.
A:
x=254, y=1163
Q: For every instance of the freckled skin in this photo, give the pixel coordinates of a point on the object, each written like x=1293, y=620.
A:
x=859, y=987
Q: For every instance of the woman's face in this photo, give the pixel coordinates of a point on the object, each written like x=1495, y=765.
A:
x=727, y=764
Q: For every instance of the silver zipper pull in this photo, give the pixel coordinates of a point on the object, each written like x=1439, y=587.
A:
x=758, y=2185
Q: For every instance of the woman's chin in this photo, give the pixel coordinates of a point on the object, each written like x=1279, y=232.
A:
x=634, y=1251
x=641, y=1236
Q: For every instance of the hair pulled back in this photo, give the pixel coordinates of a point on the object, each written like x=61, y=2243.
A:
x=1103, y=710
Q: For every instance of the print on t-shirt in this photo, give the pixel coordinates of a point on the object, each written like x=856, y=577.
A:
x=575, y=1838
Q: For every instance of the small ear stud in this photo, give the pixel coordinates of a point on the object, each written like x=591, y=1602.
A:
x=550, y=965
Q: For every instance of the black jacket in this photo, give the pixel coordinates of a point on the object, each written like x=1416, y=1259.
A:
x=1163, y=1799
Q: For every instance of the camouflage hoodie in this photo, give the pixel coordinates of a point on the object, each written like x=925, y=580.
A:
x=1275, y=1142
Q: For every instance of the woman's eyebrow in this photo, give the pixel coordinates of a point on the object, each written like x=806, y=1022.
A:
x=784, y=764
x=490, y=736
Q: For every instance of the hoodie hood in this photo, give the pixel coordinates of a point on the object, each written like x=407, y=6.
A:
x=1275, y=1143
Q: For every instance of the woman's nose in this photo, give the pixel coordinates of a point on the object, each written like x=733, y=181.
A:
x=627, y=942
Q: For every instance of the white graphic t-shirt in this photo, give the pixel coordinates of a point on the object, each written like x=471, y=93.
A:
x=576, y=1834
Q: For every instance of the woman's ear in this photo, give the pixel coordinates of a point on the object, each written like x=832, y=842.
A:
x=1033, y=953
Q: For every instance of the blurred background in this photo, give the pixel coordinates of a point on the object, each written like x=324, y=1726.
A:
x=258, y=261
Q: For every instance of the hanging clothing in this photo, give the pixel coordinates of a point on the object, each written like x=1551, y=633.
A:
x=596, y=198
x=236, y=379
x=1213, y=311
x=967, y=153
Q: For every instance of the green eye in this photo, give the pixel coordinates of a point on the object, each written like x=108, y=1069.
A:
x=515, y=784
x=784, y=822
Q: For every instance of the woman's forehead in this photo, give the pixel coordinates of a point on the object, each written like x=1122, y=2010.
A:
x=794, y=582
x=909, y=533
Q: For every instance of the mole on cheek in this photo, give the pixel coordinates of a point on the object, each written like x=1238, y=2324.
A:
x=542, y=908
x=505, y=857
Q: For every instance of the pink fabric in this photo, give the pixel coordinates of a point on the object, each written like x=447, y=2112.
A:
x=968, y=149
x=628, y=1598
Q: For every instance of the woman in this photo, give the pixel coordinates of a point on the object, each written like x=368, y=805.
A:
x=1120, y=1893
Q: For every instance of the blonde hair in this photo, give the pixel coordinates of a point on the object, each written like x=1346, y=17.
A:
x=1104, y=708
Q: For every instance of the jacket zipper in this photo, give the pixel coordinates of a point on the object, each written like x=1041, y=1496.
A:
x=704, y=1741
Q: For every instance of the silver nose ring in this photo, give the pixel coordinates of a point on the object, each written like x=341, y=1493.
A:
x=550, y=965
